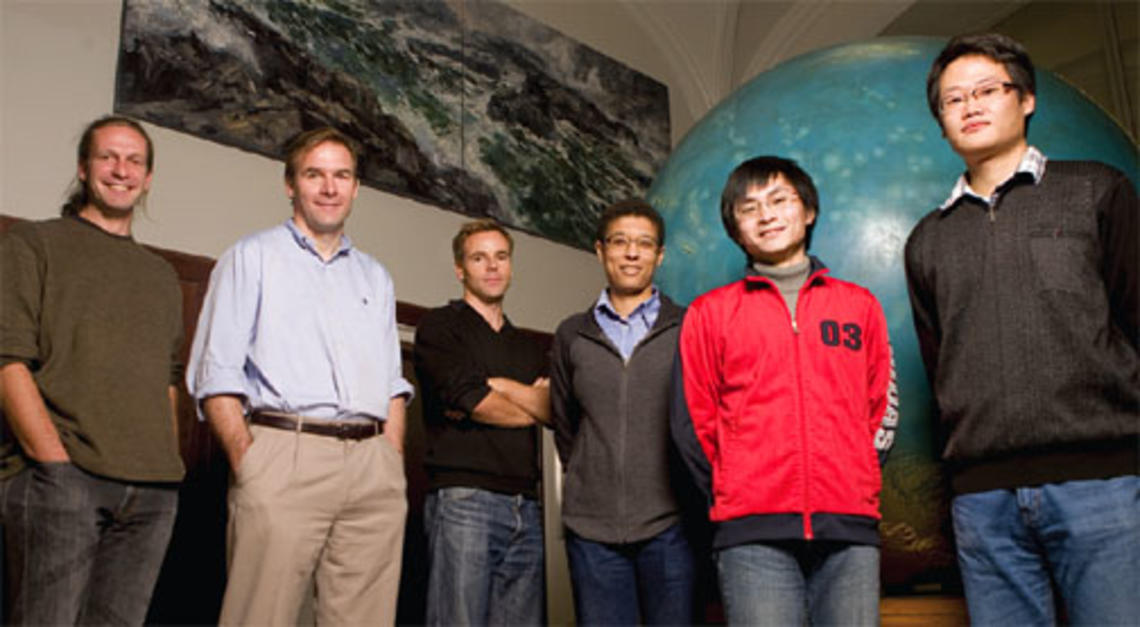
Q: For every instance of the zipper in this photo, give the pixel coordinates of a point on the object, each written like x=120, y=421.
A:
x=800, y=300
x=808, y=534
x=624, y=437
x=623, y=397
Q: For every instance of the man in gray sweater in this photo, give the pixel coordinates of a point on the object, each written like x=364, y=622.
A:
x=1024, y=289
x=609, y=388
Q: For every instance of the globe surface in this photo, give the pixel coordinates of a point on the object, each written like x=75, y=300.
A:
x=855, y=118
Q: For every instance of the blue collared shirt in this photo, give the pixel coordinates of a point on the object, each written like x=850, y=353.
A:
x=291, y=332
x=625, y=333
x=1032, y=164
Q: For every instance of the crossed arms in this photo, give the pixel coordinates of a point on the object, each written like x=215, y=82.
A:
x=514, y=404
x=445, y=364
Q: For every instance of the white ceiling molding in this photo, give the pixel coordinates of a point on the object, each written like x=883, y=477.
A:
x=727, y=22
x=785, y=36
x=699, y=90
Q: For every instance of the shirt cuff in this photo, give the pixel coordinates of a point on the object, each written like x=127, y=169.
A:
x=216, y=381
x=401, y=387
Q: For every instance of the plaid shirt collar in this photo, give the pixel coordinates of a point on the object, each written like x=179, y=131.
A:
x=1032, y=165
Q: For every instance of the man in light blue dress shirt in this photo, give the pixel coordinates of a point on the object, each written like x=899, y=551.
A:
x=296, y=365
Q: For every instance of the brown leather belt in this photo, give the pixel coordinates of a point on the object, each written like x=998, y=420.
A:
x=340, y=429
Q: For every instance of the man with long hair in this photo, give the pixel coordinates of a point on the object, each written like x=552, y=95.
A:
x=90, y=328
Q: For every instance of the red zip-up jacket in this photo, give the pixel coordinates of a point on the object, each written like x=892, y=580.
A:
x=785, y=423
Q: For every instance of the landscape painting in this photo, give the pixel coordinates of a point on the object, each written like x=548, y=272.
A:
x=464, y=104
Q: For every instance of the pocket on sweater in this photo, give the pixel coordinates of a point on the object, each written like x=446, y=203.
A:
x=1064, y=261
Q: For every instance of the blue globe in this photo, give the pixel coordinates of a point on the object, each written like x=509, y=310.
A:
x=855, y=118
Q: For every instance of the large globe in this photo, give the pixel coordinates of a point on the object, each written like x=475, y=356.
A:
x=855, y=118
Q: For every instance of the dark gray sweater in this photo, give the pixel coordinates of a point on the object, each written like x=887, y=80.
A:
x=611, y=425
x=1027, y=324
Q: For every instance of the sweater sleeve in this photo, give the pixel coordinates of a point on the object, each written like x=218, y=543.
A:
x=882, y=388
x=445, y=365
x=1119, y=232
x=22, y=274
x=922, y=301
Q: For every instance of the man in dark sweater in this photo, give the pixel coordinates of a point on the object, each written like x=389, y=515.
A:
x=90, y=328
x=484, y=389
x=630, y=560
x=1024, y=289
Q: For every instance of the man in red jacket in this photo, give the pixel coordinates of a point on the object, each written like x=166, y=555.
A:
x=784, y=412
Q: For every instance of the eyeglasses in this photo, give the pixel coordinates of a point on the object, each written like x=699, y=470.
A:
x=647, y=244
x=981, y=93
x=777, y=200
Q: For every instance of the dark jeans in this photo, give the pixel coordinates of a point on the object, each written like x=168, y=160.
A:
x=83, y=549
x=648, y=582
x=486, y=558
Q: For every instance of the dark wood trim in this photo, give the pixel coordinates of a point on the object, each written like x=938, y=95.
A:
x=409, y=314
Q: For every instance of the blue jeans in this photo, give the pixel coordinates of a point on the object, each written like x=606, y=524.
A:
x=1082, y=536
x=486, y=558
x=83, y=549
x=797, y=582
x=648, y=582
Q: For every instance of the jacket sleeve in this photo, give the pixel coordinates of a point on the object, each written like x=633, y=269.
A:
x=444, y=365
x=564, y=409
x=882, y=388
x=923, y=305
x=692, y=408
x=1119, y=232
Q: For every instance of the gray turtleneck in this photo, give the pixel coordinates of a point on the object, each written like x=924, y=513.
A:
x=788, y=279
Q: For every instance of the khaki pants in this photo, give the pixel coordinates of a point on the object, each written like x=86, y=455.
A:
x=305, y=507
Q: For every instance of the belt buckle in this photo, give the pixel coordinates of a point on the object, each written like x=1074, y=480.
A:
x=343, y=431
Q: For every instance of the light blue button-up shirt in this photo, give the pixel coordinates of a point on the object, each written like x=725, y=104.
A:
x=625, y=333
x=291, y=332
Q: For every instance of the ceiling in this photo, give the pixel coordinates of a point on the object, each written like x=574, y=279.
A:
x=714, y=46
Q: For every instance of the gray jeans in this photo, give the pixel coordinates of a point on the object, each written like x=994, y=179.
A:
x=82, y=549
